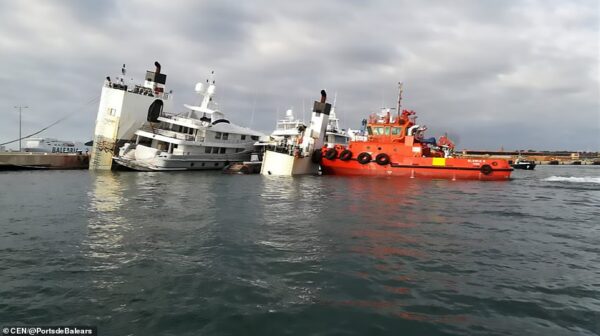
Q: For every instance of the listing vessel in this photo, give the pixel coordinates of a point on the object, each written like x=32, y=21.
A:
x=289, y=131
x=396, y=146
x=200, y=139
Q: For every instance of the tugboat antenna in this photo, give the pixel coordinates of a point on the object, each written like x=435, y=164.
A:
x=399, y=98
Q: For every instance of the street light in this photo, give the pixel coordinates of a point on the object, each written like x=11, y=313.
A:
x=20, y=108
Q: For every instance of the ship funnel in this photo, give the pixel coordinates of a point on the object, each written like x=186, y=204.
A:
x=157, y=65
x=323, y=96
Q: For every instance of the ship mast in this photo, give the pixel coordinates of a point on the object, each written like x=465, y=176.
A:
x=400, y=84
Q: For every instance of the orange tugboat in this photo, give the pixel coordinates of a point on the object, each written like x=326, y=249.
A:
x=397, y=147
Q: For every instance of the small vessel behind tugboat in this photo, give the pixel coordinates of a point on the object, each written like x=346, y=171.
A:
x=397, y=147
x=521, y=163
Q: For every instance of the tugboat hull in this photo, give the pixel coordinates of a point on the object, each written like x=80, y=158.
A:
x=451, y=169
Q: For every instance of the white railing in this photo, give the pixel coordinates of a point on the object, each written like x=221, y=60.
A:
x=176, y=135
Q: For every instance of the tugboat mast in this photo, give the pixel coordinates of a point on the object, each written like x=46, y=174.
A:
x=400, y=84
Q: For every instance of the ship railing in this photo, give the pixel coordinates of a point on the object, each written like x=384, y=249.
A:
x=138, y=89
x=176, y=135
x=236, y=141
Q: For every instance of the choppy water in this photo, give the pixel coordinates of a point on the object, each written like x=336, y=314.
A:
x=210, y=254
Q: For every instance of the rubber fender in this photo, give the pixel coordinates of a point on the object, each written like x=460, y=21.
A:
x=331, y=154
x=316, y=156
x=364, y=158
x=486, y=169
x=382, y=159
x=345, y=155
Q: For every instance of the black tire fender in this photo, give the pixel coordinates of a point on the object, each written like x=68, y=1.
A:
x=331, y=154
x=316, y=156
x=486, y=169
x=364, y=158
x=345, y=155
x=382, y=159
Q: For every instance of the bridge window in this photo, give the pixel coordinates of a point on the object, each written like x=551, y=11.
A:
x=243, y=137
x=207, y=150
x=396, y=130
x=218, y=135
x=387, y=130
x=369, y=130
x=223, y=149
x=215, y=150
x=225, y=136
x=254, y=137
x=378, y=130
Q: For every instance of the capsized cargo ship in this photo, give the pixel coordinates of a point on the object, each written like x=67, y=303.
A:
x=396, y=146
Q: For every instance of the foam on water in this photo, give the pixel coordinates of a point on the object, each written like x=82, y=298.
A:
x=573, y=179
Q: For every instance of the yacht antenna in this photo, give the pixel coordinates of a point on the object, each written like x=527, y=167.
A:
x=400, y=84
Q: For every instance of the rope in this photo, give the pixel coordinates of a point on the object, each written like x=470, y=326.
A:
x=93, y=100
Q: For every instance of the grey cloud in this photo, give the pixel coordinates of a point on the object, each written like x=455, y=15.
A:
x=492, y=73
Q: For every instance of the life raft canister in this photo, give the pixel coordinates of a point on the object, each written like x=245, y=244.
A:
x=364, y=158
x=331, y=154
x=486, y=169
x=316, y=156
x=382, y=159
x=345, y=155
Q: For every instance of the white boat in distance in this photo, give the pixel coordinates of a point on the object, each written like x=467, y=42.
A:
x=203, y=139
x=51, y=145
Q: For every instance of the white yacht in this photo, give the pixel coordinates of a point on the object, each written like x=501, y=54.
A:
x=51, y=145
x=335, y=135
x=200, y=139
x=289, y=131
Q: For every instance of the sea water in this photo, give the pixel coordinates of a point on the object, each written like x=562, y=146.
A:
x=197, y=253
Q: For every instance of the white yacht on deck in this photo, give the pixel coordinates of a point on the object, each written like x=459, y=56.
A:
x=335, y=135
x=200, y=139
x=289, y=131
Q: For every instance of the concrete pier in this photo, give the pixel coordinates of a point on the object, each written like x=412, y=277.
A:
x=28, y=160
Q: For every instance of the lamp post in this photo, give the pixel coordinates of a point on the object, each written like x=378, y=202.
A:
x=20, y=108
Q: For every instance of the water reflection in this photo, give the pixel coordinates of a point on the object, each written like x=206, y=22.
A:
x=106, y=225
x=392, y=225
x=290, y=235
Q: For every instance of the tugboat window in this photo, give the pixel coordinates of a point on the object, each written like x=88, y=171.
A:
x=396, y=131
x=369, y=130
x=378, y=130
x=387, y=130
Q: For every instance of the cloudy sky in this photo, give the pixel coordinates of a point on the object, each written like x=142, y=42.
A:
x=513, y=74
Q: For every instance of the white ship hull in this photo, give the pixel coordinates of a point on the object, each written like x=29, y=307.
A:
x=143, y=158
